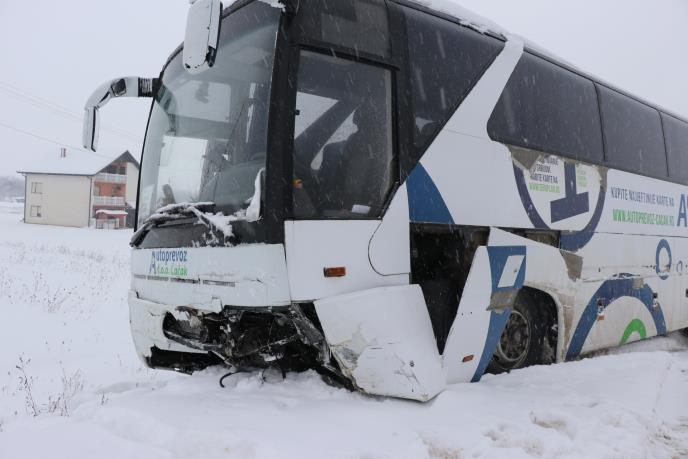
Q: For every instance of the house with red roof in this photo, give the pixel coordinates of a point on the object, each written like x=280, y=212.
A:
x=81, y=189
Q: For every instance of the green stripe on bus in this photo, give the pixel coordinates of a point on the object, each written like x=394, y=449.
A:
x=636, y=326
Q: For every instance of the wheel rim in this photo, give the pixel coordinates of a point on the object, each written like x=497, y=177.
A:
x=515, y=341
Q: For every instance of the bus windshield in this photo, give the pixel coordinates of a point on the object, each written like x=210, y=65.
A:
x=207, y=133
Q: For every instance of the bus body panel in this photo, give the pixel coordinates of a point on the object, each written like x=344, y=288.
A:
x=520, y=193
x=313, y=246
x=462, y=158
x=630, y=231
x=482, y=314
x=209, y=277
x=389, y=250
x=616, y=239
x=549, y=270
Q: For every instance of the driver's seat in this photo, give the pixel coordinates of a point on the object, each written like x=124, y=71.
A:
x=352, y=168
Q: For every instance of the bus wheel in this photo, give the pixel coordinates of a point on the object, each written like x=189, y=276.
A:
x=685, y=332
x=524, y=337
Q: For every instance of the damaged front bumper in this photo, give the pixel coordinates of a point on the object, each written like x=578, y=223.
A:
x=244, y=338
x=152, y=346
x=379, y=341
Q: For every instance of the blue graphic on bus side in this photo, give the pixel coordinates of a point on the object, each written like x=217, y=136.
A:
x=663, y=245
x=498, y=257
x=426, y=204
x=609, y=292
x=682, y=212
x=573, y=203
x=571, y=241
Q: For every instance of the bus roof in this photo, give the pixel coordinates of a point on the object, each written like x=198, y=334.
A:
x=466, y=17
x=450, y=9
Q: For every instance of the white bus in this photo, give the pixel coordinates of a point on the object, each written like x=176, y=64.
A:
x=397, y=197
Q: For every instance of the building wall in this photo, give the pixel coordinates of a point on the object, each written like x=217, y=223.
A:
x=132, y=182
x=64, y=200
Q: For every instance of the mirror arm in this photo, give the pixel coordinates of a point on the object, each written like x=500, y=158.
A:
x=119, y=87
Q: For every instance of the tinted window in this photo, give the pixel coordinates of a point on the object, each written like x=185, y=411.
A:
x=446, y=60
x=676, y=134
x=633, y=136
x=343, y=153
x=358, y=24
x=547, y=108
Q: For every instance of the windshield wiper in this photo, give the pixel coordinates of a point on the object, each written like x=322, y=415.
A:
x=202, y=210
x=205, y=212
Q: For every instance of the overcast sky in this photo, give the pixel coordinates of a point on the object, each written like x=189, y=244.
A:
x=54, y=53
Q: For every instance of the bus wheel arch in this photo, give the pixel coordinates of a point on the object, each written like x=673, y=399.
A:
x=531, y=334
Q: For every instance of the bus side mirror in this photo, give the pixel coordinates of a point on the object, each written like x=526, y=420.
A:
x=119, y=87
x=91, y=128
x=202, y=35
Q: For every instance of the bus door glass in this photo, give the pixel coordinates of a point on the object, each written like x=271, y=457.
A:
x=343, y=147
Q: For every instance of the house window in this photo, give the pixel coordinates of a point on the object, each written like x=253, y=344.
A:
x=36, y=187
x=36, y=211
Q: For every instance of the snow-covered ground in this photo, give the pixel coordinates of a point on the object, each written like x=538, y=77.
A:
x=72, y=387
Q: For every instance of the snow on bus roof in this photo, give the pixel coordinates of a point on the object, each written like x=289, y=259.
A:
x=464, y=15
x=449, y=7
x=482, y=24
x=477, y=22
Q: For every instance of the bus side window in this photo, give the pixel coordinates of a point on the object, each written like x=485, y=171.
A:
x=676, y=134
x=445, y=61
x=547, y=108
x=343, y=153
x=360, y=25
x=632, y=134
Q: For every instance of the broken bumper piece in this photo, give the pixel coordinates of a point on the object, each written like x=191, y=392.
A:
x=383, y=341
x=379, y=341
x=244, y=338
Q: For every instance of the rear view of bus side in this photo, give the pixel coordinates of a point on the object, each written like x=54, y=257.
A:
x=588, y=180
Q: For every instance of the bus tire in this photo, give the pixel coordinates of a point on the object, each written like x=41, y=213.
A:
x=684, y=332
x=525, y=339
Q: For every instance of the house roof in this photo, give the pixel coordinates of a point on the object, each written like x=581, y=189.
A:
x=77, y=163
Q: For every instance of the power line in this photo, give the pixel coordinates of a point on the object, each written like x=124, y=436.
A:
x=45, y=139
x=41, y=102
x=61, y=111
x=38, y=103
x=58, y=109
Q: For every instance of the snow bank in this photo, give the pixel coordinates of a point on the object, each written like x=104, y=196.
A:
x=62, y=299
x=11, y=207
x=63, y=308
